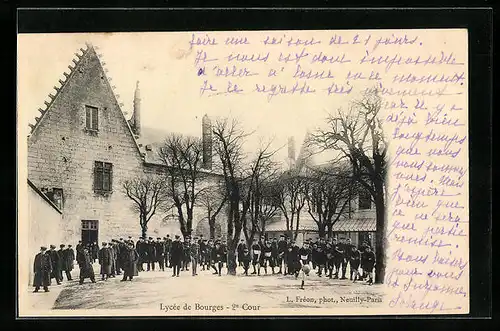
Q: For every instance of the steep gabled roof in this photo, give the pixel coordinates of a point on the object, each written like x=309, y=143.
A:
x=88, y=53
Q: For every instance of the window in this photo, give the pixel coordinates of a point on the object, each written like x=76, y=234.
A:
x=103, y=175
x=91, y=118
x=365, y=200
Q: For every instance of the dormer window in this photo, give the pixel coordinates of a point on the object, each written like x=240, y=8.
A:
x=91, y=118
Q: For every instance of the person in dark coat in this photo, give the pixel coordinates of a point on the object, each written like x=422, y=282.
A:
x=168, y=249
x=338, y=257
x=329, y=254
x=151, y=253
x=42, y=267
x=177, y=256
x=85, y=264
x=69, y=258
x=321, y=256
x=218, y=258
x=160, y=253
x=274, y=253
x=63, y=262
x=293, y=258
x=56, y=264
x=367, y=263
x=354, y=261
x=266, y=259
x=256, y=256
x=105, y=261
x=113, y=248
x=186, y=246
x=282, y=250
x=239, y=250
x=245, y=258
x=194, y=251
x=131, y=263
x=95, y=251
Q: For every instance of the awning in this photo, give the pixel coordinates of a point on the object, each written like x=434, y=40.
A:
x=355, y=225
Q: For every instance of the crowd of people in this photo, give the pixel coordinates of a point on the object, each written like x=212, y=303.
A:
x=329, y=257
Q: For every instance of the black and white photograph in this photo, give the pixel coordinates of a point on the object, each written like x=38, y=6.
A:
x=221, y=173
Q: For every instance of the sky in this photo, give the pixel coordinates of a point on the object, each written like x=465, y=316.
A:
x=163, y=63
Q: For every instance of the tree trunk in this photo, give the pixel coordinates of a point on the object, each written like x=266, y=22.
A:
x=296, y=228
x=321, y=230
x=211, y=225
x=144, y=231
x=330, y=231
x=144, y=225
x=380, y=240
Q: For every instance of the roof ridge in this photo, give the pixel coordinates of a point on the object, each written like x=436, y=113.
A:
x=77, y=62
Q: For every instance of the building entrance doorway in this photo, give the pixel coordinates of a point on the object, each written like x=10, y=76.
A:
x=90, y=231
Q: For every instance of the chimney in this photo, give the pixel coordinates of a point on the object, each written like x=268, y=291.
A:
x=207, y=142
x=291, y=148
x=136, y=117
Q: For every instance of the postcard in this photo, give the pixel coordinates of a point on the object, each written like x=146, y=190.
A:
x=229, y=173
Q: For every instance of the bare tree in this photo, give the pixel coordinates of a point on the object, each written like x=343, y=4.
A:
x=239, y=178
x=329, y=196
x=292, y=190
x=213, y=198
x=261, y=193
x=148, y=194
x=182, y=156
x=357, y=134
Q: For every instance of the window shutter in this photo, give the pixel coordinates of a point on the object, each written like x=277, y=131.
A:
x=88, y=115
x=98, y=176
x=95, y=119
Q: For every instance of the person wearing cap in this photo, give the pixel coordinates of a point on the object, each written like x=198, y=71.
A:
x=105, y=261
x=329, y=264
x=266, y=257
x=354, y=262
x=217, y=258
x=245, y=259
x=256, y=256
x=168, y=248
x=186, y=255
x=177, y=255
x=293, y=260
x=85, y=263
x=56, y=264
x=130, y=264
x=239, y=251
x=282, y=248
x=114, y=257
x=42, y=268
x=141, y=250
x=274, y=253
x=367, y=263
x=151, y=253
x=345, y=255
x=160, y=253
x=95, y=251
x=194, y=251
x=338, y=255
x=69, y=256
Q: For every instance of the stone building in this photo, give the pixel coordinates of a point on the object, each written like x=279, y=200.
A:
x=82, y=147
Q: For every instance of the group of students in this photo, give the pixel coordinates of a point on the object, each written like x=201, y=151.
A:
x=323, y=255
x=331, y=257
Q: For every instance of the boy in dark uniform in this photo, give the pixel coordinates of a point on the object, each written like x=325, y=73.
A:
x=321, y=256
x=168, y=247
x=267, y=251
x=177, y=252
x=245, y=260
x=329, y=260
x=367, y=263
x=304, y=259
x=354, y=261
x=345, y=256
x=239, y=250
x=314, y=256
x=217, y=257
x=256, y=256
x=338, y=255
x=203, y=254
x=56, y=264
x=293, y=260
x=85, y=264
x=274, y=253
x=282, y=250
x=42, y=267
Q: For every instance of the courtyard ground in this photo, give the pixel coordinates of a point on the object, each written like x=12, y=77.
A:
x=206, y=293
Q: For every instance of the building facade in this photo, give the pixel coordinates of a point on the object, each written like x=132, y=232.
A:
x=82, y=148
